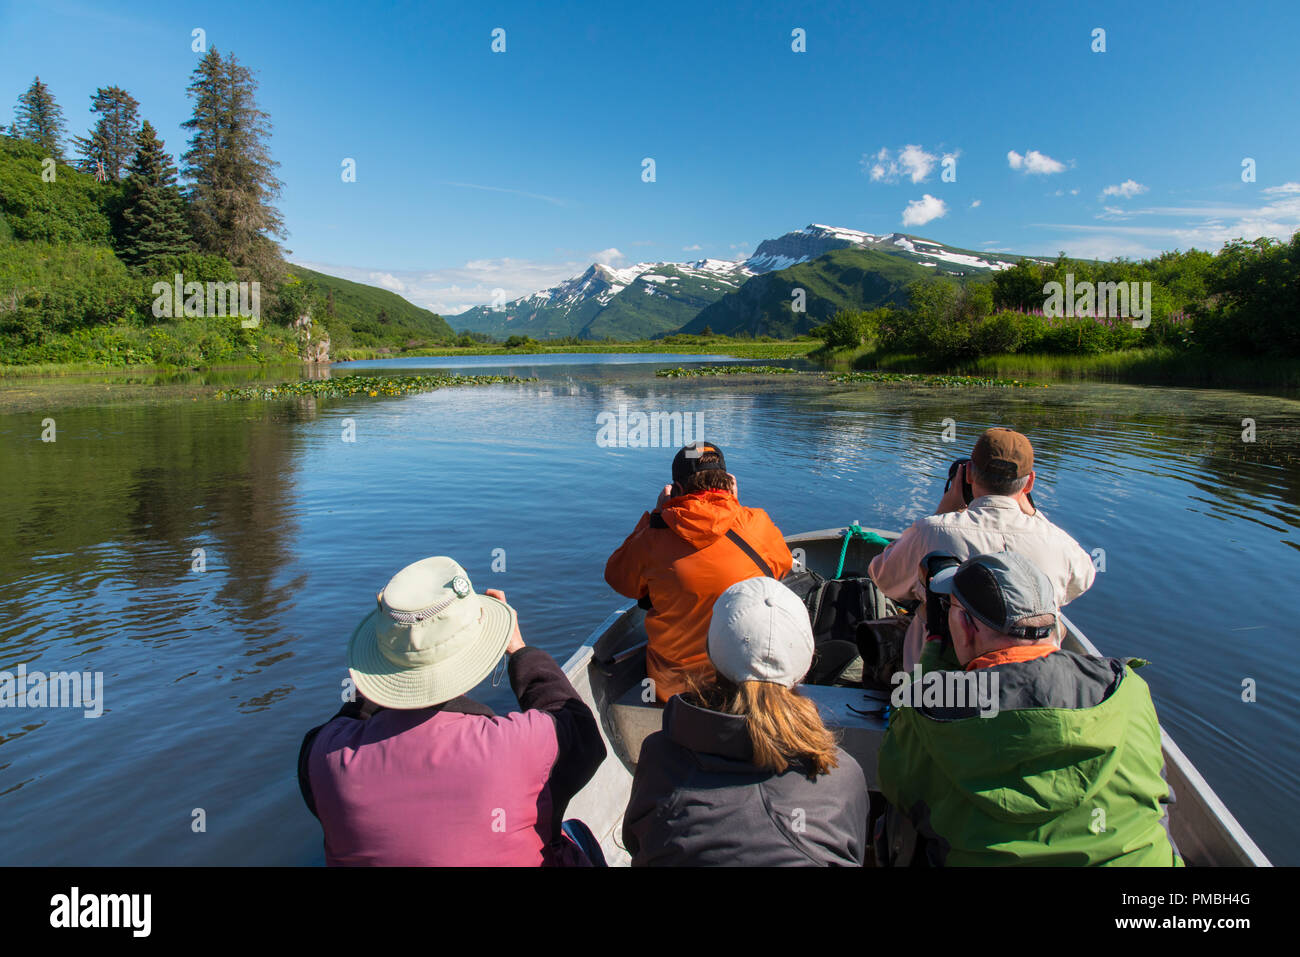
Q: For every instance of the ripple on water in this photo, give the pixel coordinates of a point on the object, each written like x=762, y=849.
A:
x=211, y=677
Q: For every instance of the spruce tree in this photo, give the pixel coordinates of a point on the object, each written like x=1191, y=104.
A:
x=229, y=168
x=112, y=141
x=39, y=119
x=153, y=217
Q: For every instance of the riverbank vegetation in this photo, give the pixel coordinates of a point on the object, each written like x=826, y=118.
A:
x=1229, y=318
x=84, y=239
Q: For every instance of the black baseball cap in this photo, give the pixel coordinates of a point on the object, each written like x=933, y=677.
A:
x=1001, y=590
x=689, y=460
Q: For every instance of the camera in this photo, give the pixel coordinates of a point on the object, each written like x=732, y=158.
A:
x=966, y=493
x=936, y=616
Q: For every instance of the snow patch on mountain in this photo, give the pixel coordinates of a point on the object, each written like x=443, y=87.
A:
x=602, y=283
x=961, y=259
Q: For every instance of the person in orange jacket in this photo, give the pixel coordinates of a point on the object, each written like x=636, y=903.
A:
x=697, y=543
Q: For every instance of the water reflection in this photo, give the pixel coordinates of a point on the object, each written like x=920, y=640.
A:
x=212, y=676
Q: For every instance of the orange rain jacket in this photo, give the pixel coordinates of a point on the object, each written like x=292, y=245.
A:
x=682, y=559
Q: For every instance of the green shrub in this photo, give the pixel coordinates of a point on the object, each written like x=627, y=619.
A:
x=53, y=288
x=70, y=209
x=1000, y=332
x=849, y=329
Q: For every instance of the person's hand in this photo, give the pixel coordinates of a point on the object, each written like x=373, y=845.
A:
x=516, y=639
x=952, y=500
x=664, y=495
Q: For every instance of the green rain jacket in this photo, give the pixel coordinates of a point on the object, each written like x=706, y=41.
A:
x=1068, y=772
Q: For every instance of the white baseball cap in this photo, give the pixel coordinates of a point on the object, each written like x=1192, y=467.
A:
x=760, y=632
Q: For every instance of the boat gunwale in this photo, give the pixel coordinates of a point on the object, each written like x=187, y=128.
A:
x=1173, y=754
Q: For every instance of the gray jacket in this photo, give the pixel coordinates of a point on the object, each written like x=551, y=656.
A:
x=698, y=799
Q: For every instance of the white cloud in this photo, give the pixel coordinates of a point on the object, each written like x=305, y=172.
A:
x=916, y=163
x=1184, y=227
x=608, y=257
x=975, y=204
x=1034, y=162
x=923, y=210
x=912, y=162
x=1286, y=189
x=1127, y=189
x=1114, y=212
x=388, y=281
x=693, y=248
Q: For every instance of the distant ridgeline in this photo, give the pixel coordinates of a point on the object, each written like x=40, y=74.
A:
x=900, y=296
x=836, y=269
x=107, y=259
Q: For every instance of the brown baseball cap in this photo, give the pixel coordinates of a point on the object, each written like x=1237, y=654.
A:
x=1003, y=454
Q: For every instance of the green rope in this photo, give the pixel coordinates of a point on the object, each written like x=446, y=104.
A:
x=857, y=531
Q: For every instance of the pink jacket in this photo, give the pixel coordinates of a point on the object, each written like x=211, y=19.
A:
x=454, y=785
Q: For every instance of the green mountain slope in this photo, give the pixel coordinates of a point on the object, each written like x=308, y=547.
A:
x=841, y=279
x=657, y=303
x=636, y=302
x=368, y=316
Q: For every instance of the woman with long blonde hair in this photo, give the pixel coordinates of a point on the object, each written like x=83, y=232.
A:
x=744, y=771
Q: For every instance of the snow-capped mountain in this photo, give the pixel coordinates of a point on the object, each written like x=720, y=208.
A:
x=816, y=240
x=628, y=302
x=804, y=244
x=647, y=299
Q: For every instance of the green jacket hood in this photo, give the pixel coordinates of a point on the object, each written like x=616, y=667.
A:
x=1068, y=771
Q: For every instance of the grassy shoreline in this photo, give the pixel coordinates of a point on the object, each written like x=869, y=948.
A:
x=56, y=370
x=740, y=348
x=1153, y=366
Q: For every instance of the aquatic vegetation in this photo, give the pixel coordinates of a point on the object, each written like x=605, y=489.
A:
x=713, y=370
x=372, y=386
x=941, y=380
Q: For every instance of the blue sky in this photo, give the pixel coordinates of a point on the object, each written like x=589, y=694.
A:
x=479, y=170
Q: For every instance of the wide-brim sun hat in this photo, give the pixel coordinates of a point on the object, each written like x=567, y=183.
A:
x=431, y=639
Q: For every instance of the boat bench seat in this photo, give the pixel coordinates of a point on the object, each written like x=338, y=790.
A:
x=859, y=734
x=633, y=720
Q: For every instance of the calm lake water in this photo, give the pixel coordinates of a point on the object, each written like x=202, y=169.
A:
x=211, y=678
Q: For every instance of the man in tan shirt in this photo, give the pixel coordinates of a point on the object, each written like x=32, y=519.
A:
x=1000, y=517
